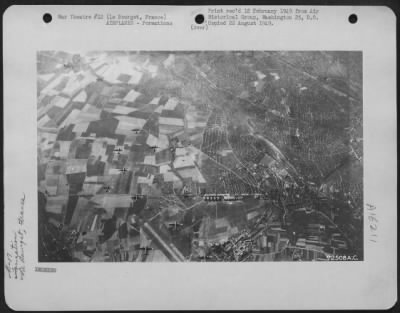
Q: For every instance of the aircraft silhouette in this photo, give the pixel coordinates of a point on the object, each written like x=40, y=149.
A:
x=146, y=249
x=154, y=148
x=205, y=258
x=107, y=188
x=123, y=170
x=135, y=197
x=136, y=130
x=175, y=225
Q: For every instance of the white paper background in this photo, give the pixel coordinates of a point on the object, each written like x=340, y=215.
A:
x=271, y=285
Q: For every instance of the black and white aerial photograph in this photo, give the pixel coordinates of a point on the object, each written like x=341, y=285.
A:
x=199, y=156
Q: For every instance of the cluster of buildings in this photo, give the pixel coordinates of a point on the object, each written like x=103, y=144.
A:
x=264, y=238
